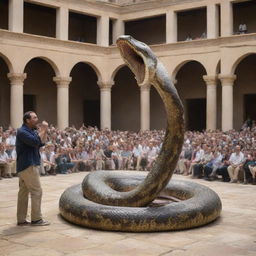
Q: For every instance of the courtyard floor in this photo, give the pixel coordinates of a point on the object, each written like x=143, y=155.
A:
x=234, y=233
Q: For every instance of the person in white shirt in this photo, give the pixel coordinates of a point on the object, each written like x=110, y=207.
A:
x=11, y=139
x=48, y=159
x=6, y=163
x=151, y=155
x=236, y=162
x=137, y=155
x=199, y=155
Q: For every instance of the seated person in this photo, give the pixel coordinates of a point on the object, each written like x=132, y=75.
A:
x=99, y=158
x=212, y=166
x=236, y=161
x=109, y=162
x=249, y=163
x=198, y=168
x=63, y=162
x=6, y=163
x=223, y=169
x=126, y=155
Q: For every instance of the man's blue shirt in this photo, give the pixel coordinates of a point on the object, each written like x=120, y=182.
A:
x=28, y=143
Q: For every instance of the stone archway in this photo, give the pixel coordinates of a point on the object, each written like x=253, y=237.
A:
x=84, y=96
x=125, y=107
x=4, y=94
x=157, y=111
x=40, y=92
x=192, y=90
x=245, y=90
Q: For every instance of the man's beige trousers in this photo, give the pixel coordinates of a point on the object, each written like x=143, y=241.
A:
x=29, y=183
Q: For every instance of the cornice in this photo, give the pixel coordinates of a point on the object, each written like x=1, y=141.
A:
x=149, y=5
x=161, y=50
x=53, y=42
x=110, y=7
x=116, y=8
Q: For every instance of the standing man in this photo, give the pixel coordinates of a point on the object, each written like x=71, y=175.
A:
x=28, y=142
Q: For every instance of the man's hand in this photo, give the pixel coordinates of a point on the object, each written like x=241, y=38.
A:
x=43, y=131
x=44, y=126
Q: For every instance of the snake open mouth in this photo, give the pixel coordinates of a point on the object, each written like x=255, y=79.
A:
x=133, y=59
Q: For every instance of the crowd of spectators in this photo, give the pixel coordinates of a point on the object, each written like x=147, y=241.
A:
x=230, y=156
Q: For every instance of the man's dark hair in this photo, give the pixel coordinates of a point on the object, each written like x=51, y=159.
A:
x=26, y=116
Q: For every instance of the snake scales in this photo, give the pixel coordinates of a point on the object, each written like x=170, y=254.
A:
x=114, y=200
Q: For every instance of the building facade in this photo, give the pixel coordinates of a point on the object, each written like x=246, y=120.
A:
x=59, y=58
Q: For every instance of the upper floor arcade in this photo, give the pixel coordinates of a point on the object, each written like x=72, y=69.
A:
x=154, y=22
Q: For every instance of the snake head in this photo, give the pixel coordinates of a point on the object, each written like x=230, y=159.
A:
x=139, y=58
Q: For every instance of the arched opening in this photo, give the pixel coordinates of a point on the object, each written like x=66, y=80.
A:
x=82, y=28
x=39, y=20
x=84, y=96
x=245, y=91
x=141, y=29
x=244, y=17
x=40, y=92
x=192, y=91
x=4, y=94
x=157, y=111
x=191, y=24
x=4, y=7
x=125, y=107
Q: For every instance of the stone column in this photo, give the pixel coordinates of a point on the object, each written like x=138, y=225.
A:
x=171, y=27
x=62, y=101
x=226, y=18
x=105, y=104
x=211, y=102
x=16, y=12
x=118, y=29
x=16, y=102
x=145, y=107
x=62, y=23
x=212, y=21
x=227, y=82
x=103, y=31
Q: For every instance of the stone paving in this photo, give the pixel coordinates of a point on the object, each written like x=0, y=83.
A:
x=232, y=234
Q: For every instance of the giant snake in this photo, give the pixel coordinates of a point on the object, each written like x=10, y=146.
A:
x=122, y=200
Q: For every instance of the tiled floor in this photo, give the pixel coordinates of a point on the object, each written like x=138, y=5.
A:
x=232, y=234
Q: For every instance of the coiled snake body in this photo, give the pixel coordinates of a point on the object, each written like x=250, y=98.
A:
x=112, y=200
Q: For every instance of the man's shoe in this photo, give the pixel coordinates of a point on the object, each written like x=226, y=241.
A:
x=40, y=223
x=25, y=223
